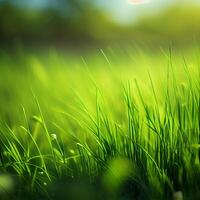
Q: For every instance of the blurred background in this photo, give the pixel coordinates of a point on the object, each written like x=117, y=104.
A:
x=88, y=23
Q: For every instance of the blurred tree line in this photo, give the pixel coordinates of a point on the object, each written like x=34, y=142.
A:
x=73, y=21
x=79, y=22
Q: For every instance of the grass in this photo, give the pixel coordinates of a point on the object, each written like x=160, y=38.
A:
x=112, y=124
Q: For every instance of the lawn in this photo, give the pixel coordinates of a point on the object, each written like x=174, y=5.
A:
x=113, y=124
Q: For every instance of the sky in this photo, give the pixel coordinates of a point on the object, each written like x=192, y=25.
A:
x=123, y=11
x=127, y=11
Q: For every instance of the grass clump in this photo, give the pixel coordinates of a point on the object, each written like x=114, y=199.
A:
x=103, y=126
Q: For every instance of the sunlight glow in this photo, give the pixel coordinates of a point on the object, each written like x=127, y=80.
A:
x=136, y=2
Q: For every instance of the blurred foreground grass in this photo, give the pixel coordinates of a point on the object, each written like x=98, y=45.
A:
x=112, y=124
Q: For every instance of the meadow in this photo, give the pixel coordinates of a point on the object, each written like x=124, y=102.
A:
x=114, y=123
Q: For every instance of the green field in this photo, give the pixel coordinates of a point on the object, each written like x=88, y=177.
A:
x=113, y=124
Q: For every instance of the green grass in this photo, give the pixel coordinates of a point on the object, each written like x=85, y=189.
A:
x=111, y=124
